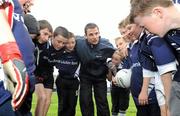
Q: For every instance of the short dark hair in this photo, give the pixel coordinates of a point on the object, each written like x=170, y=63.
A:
x=61, y=31
x=31, y=24
x=90, y=26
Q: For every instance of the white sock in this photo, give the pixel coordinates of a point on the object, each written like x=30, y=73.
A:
x=122, y=113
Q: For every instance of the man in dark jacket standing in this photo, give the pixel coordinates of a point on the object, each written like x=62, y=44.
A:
x=93, y=52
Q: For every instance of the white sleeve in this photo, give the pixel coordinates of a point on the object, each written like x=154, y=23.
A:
x=148, y=73
x=167, y=68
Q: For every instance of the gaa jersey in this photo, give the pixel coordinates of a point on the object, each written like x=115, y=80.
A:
x=23, y=40
x=46, y=57
x=173, y=39
x=155, y=55
x=68, y=65
x=137, y=74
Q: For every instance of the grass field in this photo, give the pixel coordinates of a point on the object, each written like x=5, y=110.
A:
x=54, y=104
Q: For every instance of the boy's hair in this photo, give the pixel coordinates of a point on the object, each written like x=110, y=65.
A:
x=61, y=31
x=143, y=7
x=31, y=24
x=124, y=22
x=118, y=38
x=45, y=24
x=71, y=35
x=90, y=26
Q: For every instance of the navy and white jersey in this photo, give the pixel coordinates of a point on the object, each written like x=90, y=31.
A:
x=137, y=74
x=173, y=39
x=23, y=41
x=176, y=1
x=93, y=57
x=155, y=55
x=46, y=57
x=68, y=65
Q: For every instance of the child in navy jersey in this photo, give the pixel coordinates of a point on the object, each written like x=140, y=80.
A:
x=44, y=83
x=152, y=108
x=159, y=21
x=156, y=68
x=67, y=82
x=119, y=95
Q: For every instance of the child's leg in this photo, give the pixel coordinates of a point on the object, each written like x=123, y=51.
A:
x=73, y=93
x=123, y=100
x=115, y=100
x=41, y=98
x=48, y=87
x=48, y=93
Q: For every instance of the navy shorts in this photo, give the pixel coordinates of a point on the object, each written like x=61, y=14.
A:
x=120, y=99
x=47, y=81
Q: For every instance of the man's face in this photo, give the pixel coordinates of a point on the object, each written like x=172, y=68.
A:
x=156, y=22
x=93, y=35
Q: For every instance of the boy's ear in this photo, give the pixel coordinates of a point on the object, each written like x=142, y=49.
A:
x=158, y=11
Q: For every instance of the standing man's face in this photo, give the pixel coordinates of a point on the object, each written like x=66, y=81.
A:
x=93, y=35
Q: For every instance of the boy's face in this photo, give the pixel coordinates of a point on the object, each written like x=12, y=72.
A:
x=133, y=32
x=156, y=22
x=45, y=34
x=93, y=35
x=116, y=59
x=121, y=44
x=59, y=42
x=71, y=42
x=122, y=30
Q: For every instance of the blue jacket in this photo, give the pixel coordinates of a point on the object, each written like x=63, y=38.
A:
x=93, y=57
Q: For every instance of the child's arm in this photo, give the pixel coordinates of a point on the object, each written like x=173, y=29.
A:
x=143, y=96
x=167, y=80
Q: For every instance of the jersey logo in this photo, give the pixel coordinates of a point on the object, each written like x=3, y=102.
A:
x=18, y=17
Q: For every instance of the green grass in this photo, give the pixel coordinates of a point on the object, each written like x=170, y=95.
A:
x=54, y=104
